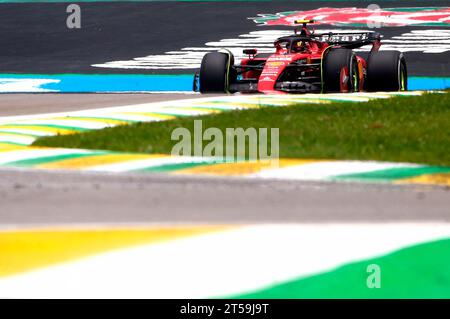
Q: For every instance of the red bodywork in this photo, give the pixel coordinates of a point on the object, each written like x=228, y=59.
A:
x=276, y=64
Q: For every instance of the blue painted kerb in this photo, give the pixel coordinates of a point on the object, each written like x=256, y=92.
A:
x=90, y=83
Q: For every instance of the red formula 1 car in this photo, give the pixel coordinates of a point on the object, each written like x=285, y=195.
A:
x=306, y=62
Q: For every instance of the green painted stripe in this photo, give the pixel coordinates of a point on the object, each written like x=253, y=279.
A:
x=420, y=271
x=62, y=127
x=49, y=159
x=394, y=173
x=20, y=134
x=172, y=167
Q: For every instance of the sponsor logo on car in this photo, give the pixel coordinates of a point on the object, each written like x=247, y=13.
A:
x=267, y=79
x=276, y=63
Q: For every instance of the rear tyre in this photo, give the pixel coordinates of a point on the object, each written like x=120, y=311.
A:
x=215, y=72
x=386, y=71
x=340, y=71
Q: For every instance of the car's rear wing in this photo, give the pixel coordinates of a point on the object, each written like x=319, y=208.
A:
x=351, y=40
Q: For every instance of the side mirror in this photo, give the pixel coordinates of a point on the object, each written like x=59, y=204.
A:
x=250, y=51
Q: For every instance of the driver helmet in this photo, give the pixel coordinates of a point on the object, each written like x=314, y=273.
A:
x=298, y=46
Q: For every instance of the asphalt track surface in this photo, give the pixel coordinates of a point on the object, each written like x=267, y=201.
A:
x=26, y=104
x=35, y=38
x=30, y=198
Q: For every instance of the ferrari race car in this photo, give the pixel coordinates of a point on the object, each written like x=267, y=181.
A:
x=306, y=62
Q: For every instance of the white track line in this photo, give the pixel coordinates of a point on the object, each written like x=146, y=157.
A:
x=322, y=170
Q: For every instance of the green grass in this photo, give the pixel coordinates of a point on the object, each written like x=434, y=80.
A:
x=419, y=271
x=404, y=129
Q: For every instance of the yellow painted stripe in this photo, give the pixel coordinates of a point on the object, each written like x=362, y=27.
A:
x=318, y=101
x=377, y=95
x=53, y=130
x=287, y=102
x=236, y=104
x=5, y=147
x=153, y=115
x=95, y=120
x=96, y=160
x=243, y=168
x=430, y=179
x=27, y=250
x=204, y=110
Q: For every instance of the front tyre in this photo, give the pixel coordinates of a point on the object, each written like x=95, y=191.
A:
x=340, y=71
x=386, y=71
x=215, y=72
